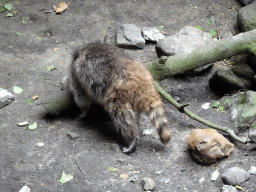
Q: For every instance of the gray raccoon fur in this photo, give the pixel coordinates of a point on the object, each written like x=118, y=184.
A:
x=102, y=73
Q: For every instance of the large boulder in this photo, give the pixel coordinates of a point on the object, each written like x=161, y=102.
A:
x=247, y=17
x=239, y=77
x=246, y=2
x=185, y=41
x=242, y=110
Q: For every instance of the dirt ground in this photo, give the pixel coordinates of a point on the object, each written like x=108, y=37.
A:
x=35, y=38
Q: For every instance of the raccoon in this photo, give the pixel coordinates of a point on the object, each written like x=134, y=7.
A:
x=102, y=73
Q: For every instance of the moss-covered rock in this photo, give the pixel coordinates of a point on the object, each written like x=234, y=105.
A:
x=242, y=108
x=239, y=77
x=247, y=17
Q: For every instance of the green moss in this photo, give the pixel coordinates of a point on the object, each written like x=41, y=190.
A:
x=251, y=24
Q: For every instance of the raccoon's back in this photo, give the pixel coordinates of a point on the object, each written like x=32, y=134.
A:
x=94, y=67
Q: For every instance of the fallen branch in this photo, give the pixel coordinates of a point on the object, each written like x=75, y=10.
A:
x=182, y=109
x=166, y=67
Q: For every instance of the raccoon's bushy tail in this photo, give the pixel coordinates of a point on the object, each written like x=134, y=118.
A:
x=156, y=115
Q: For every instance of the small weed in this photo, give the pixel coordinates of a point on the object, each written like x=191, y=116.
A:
x=210, y=22
x=198, y=27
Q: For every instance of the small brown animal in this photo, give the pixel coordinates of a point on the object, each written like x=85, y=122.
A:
x=104, y=74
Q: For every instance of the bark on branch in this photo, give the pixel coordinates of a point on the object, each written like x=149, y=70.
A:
x=168, y=66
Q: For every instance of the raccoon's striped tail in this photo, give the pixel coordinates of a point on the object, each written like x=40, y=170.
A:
x=156, y=115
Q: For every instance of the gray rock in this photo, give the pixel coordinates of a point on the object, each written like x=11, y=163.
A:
x=152, y=34
x=253, y=170
x=238, y=77
x=246, y=2
x=58, y=102
x=242, y=107
x=228, y=188
x=25, y=189
x=246, y=17
x=40, y=144
x=73, y=135
x=129, y=36
x=227, y=35
x=5, y=97
x=158, y=172
x=252, y=135
x=235, y=176
x=133, y=178
x=185, y=41
x=149, y=184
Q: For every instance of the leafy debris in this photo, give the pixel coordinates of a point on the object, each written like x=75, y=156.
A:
x=215, y=175
x=66, y=178
x=17, y=89
x=33, y=126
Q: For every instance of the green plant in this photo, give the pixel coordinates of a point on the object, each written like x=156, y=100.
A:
x=210, y=22
x=198, y=27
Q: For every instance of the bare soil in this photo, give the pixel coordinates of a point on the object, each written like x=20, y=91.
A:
x=34, y=39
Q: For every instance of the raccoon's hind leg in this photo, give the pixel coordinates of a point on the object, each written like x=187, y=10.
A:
x=126, y=125
x=83, y=101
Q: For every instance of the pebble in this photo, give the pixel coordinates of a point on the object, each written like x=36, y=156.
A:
x=5, y=97
x=228, y=188
x=206, y=105
x=165, y=180
x=235, y=176
x=253, y=170
x=39, y=144
x=73, y=135
x=23, y=123
x=202, y=180
x=133, y=178
x=158, y=172
x=25, y=189
x=152, y=34
x=149, y=184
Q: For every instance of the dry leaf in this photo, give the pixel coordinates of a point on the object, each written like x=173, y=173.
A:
x=61, y=7
x=15, y=12
x=124, y=176
x=35, y=97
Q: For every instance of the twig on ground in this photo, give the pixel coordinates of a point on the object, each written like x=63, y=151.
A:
x=182, y=109
x=80, y=168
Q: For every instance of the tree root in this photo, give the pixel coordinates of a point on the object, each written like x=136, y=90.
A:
x=182, y=109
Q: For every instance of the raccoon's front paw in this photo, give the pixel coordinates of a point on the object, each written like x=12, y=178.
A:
x=132, y=147
x=126, y=150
